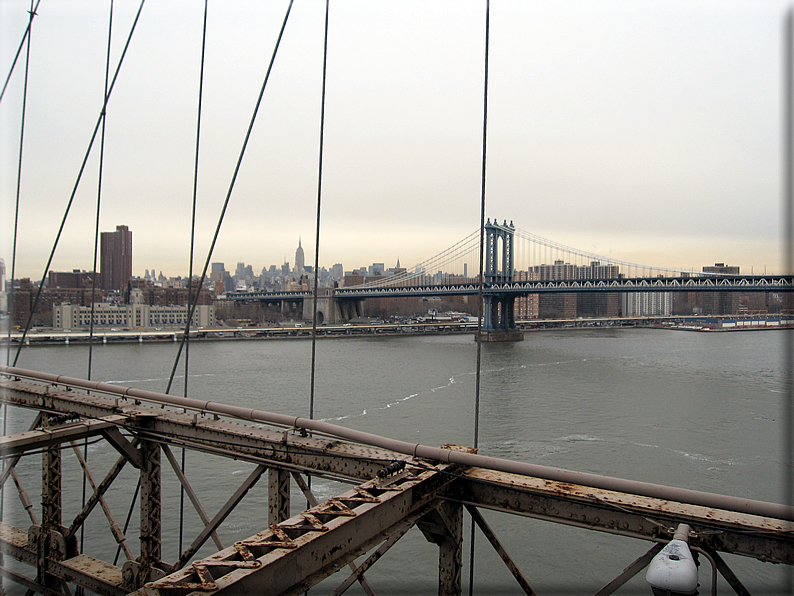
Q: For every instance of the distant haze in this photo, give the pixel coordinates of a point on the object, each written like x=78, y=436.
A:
x=647, y=131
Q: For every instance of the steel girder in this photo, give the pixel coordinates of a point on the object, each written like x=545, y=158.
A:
x=286, y=448
x=293, y=555
x=647, y=518
x=583, y=506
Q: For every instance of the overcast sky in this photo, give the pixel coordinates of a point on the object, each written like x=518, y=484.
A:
x=647, y=131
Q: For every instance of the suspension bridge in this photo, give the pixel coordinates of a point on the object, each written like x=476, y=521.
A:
x=394, y=485
x=510, y=273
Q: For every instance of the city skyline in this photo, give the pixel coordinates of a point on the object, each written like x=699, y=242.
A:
x=643, y=132
x=298, y=267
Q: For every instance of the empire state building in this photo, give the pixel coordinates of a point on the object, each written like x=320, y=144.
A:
x=299, y=260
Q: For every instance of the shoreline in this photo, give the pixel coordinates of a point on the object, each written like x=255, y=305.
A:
x=288, y=333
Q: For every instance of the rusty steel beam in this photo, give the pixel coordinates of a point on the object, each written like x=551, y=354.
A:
x=285, y=448
x=127, y=449
x=358, y=572
x=627, y=515
x=28, y=583
x=657, y=491
x=94, y=498
x=191, y=494
x=31, y=440
x=8, y=466
x=224, y=512
x=477, y=517
x=394, y=533
x=51, y=513
x=593, y=507
x=92, y=574
x=14, y=542
x=115, y=529
x=278, y=499
x=725, y=571
x=631, y=570
x=81, y=570
x=149, y=564
x=24, y=498
x=294, y=555
x=450, y=548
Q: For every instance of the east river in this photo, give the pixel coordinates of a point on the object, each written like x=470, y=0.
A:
x=694, y=410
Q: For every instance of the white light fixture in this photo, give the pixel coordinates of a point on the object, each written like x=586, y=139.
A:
x=673, y=570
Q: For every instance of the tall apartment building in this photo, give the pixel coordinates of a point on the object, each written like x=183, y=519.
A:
x=115, y=262
x=556, y=306
x=570, y=305
x=721, y=303
x=598, y=304
x=70, y=279
x=526, y=307
x=646, y=304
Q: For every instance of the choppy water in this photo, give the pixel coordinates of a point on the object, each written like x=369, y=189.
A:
x=695, y=410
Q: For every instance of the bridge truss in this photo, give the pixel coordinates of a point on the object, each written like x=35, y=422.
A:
x=395, y=486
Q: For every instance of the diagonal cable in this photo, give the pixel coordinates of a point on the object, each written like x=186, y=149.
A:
x=482, y=276
x=194, y=300
x=96, y=247
x=319, y=201
x=25, y=36
x=190, y=266
x=77, y=183
x=16, y=223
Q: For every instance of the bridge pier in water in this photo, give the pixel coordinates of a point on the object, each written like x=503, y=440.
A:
x=499, y=321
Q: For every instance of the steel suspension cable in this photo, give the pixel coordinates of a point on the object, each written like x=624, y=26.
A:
x=77, y=182
x=190, y=259
x=33, y=13
x=194, y=300
x=317, y=227
x=99, y=195
x=27, y=37
x=19, y=177
x=450, y=255
x=788, y=263
x=480, y=308
x=551, y=244
x=96, y=248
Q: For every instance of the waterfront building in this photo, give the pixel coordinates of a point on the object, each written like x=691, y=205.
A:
x=556, y=306
x=526, y=307
x=598, y=304
x=647, y=304
x=721, y=303
x=115, y=264
x=136, y=315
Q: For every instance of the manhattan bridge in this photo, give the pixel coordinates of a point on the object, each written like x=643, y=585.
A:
x=516, y=263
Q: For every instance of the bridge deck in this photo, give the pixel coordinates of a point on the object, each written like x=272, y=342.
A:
x=293, y=554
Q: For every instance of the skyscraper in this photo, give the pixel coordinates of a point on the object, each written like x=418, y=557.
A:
x=115, y=263
x=299, y=259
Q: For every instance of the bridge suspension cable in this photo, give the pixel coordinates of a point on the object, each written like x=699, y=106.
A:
x=460, y=253
x=533, y=250
x=570, y=252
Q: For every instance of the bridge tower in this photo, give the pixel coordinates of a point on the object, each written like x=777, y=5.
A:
x=499, y=321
